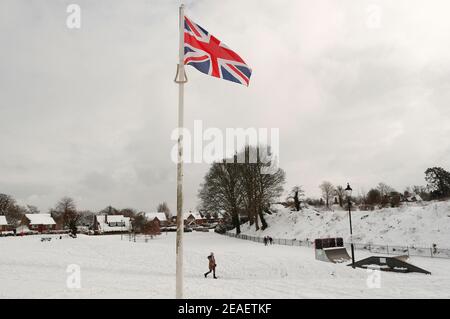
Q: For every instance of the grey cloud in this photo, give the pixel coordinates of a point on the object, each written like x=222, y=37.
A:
x=88, y=113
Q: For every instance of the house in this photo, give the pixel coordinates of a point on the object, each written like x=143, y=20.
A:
x=213, y=217
x=3, y=224
x=192, y=218
x=412, y=198
x=5, y=228
x=42, y=223
x=159, y=217
x=104, y=224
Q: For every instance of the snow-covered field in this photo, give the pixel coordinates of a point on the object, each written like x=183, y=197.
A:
x=111, y=268
x=412, y=224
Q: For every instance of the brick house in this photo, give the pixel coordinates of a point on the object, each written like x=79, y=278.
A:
x=4, y=226
x=41, y=223
x=158, y=217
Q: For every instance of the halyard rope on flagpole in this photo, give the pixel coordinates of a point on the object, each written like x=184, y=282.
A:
x=180, y=79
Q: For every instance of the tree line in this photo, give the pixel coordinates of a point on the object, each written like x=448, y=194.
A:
x=240, y=192
x=67, y=216
x=383, y=195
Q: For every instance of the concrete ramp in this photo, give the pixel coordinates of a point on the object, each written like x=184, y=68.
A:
x=331, y=250
x=337, y=254
x=333, y=255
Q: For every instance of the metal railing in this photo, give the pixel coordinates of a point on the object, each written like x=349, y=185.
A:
x=133, y=237
x=433, y=252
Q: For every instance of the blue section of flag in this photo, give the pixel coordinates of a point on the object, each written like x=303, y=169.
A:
x=186, y=50
x=204, y=31
x=186, y=26
x=227, y=75
x=201, y=66
x=247, y=72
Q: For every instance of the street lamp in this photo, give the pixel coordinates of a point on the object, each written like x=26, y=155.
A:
x=348, y=191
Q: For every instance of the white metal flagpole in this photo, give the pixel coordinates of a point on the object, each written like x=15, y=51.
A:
x=180, y=79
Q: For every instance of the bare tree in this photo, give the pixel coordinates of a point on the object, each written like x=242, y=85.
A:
x=373, y=197
x=438, y=180
x=296, y=195
x=327, y=192
x=151, y=228
x=65, y=213
x=260, y=186
x=127, y=212
x=13, y=212
x=139, y=223
x=86, y=218
x=385, y=189
x=385, y=192
x=340, y=194
x=109, y=210
x=234, y=186
x=6, y=203
x=32, y=209
x=222, y=191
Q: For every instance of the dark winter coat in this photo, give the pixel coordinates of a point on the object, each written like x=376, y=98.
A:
x=212, y=262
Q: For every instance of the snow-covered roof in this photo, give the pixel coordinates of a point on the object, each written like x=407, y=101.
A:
x=153, y=215
x=3, y=221
x=415, y=198
x=116, y=218
x=40, y=219
x=115, y=223
x=196, y=215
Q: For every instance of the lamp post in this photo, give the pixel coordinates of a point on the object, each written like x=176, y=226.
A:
x=348, y=191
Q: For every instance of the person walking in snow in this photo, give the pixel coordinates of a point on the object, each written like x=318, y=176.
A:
x=270, y=240
x=212, y=266
x=265, y=240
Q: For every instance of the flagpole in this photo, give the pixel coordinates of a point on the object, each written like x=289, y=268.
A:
x=180, y=80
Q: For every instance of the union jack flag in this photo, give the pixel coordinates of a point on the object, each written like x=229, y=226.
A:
x=207, y=54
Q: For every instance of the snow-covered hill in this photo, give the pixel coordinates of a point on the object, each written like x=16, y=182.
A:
x=419, y=224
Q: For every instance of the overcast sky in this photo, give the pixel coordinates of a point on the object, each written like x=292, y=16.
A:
x=360, y=91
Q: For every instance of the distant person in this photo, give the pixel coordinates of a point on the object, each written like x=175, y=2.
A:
x=265, y=240
x=212, y=266
x=270, y=240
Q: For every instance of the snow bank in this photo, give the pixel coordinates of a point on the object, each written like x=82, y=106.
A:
x=412, y=224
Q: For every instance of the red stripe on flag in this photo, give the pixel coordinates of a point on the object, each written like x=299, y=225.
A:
x=191, y=26
x=195, y=58
x=238, y=73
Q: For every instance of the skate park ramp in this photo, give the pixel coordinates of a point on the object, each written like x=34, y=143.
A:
x=394, y=264
x=334, y=254
x=337, y=254
x=331, y=250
